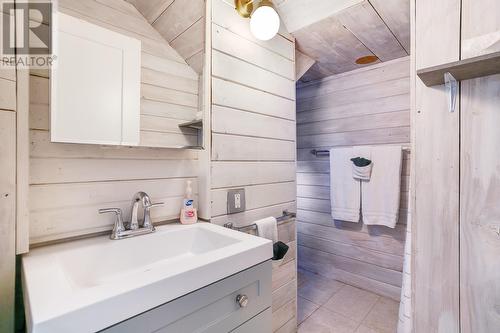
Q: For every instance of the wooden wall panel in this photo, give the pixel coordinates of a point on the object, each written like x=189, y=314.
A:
x=233, y=121
x=374, y=74
x=480, y=28
x=191, y=41
x=438, y=32
x=7, y=215
x=365, y=23
x=351, y=30
x=231, y=94
x=302, y=64
x=151, y=9
x=232, y=69
x=22, y=160
x=8, y=190
x=298, y=14
x=224, y=39
x=269, y=149
x=396, y=15
x=178, y=17
x=8, y=96
x=357, y=94
x=88, y=177
x=368, y=257
x=480, y=216
x=343, y=46
x=181, y=23
x=479, y=175
x=284, y=284
x=253, y=137
x=436, y=220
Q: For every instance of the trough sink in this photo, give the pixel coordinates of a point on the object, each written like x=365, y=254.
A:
x=88, y=285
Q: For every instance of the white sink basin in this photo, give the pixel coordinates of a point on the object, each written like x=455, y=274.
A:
x=88, y=285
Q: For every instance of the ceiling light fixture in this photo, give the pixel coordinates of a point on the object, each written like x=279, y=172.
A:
x=366, y=60
x=264, y=21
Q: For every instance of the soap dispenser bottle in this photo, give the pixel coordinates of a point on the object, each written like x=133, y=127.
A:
x=188, y=212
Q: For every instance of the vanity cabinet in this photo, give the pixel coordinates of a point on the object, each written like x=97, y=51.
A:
x=95, y=85
x=240, y=303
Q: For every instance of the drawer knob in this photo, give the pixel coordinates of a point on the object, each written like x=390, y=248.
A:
x=242, y=300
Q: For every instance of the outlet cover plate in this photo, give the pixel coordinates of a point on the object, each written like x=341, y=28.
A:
x=236, y=201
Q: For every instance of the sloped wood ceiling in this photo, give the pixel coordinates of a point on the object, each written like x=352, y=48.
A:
x=181, y=23
x=360, y=28
x=334, y=33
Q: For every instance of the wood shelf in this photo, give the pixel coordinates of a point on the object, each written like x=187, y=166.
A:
x=466, y=69
x=196, y=124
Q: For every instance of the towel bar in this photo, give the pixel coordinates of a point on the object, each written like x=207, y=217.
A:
x=317, y=152
x=283, y=218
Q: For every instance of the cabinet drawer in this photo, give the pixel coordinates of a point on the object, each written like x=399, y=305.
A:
x=210, y=309
x=262, y=323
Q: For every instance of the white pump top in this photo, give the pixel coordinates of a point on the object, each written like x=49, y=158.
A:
x=189, y=190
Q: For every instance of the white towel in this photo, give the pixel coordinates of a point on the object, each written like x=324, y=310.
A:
x=344, y=189
x=381, y=195
x=268, y=228
x=362, y=173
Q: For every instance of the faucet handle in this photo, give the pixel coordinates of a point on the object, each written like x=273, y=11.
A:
x=117, y=211
x=147, y=218
x=118, y=227
x=156, y=204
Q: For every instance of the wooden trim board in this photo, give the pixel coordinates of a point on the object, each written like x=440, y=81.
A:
x=23, y=156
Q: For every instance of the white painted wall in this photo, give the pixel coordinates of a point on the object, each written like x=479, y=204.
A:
x=7, y=196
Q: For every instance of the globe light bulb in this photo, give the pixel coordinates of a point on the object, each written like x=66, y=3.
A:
x=265, y=22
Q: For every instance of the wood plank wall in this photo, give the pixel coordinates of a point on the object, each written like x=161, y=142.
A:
x=182, y=24
x=69, y=182
x=479, y=197
x=253, y=137
x=7, y=196
x=435, y=268
x=362, y=107
x=456, y=278
x=480, y=175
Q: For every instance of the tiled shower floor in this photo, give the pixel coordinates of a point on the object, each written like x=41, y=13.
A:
x=329, y=306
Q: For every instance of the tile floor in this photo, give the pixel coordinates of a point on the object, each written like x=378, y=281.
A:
x=329, y=306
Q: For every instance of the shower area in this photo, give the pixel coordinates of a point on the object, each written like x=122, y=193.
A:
x=352, y=276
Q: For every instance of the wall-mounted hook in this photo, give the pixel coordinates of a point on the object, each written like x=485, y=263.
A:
x=451, y=85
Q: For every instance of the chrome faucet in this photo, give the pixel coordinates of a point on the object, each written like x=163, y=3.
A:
x=142, y=198
x=134, y=227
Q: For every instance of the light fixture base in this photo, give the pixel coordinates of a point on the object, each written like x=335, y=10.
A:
x=366, y=60
x=244, y=7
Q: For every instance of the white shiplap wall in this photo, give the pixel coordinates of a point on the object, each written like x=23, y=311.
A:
x=253, y=136
x=7, y=195
x=69, y=183
x=435, y=233
x=181, y=23
x=362, y=107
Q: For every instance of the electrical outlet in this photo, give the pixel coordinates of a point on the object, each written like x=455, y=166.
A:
x=236, y=201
